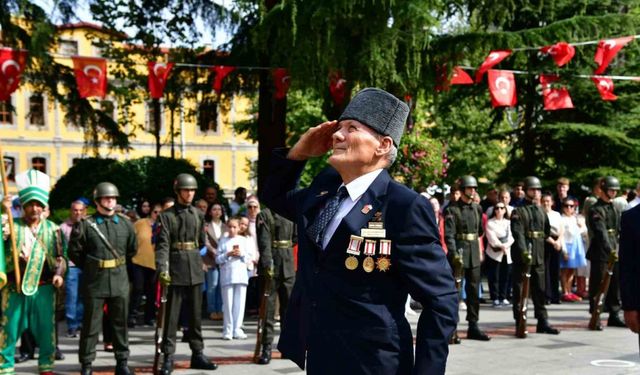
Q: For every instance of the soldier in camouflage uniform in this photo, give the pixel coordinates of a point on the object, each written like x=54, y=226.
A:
x=101, y=245
x=530, y=228
x=276, y=237
x=604, y=223
x=462, y=230
x=180, y=269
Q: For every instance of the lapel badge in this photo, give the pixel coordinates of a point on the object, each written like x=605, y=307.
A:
x=324, y=192
x=367, y=207
x=377, y=216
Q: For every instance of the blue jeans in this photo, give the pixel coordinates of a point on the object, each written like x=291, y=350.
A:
x=72, y=304
x=214, y=293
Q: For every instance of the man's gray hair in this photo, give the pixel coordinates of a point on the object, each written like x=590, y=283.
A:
x=392, y=155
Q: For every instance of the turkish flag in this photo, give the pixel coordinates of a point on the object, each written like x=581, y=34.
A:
x=607, y=50
x=12, y=64
x=502, y=86
x=337, y=88
x=91, y=76
x=281, y=81
x=605, y=88
x=554, y=98
x=158, y=73
x=220, y=72
x=561, y=52
x=493, y=59
x=460, y=77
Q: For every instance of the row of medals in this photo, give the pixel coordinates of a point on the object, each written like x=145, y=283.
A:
x=368, y=264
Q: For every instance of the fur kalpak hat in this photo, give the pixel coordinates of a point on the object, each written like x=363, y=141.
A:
x=380, y=111
x=33, y=185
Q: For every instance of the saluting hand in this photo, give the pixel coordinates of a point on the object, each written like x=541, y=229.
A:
x=316, y=141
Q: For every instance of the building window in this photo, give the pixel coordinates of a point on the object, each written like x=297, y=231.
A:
x=208, y=115
x=39, y=163
x=149, y=118
x=209, y=169
x=10, y=167
x=36, y=110
x=6, y=112
x=68, y=47
x=108, y=108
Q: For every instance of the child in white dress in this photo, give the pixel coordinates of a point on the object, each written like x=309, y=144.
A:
x=231, y=258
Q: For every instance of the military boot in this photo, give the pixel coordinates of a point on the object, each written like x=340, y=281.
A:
x=200, y=362
x=615, y=321
x=122, y=368
x=86, y=369
x=544, y=327
x=265, y=357
x=475, y=333
x=167, y=365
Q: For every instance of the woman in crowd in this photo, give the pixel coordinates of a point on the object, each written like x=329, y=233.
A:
x=215, y=230
x=499, y=241
x=554, y=245
x=574, y=254
x=143, y=269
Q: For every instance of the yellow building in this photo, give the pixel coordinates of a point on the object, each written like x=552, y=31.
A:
x=36, y=134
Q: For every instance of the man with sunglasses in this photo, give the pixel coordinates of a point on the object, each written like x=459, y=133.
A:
x=604, y=223
x=530, y=228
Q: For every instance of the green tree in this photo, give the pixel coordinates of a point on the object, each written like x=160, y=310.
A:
x=595, y=136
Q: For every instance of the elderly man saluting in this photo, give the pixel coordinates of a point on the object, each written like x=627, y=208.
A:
x=365, y=242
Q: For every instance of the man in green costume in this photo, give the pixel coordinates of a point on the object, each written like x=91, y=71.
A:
x=42, y=264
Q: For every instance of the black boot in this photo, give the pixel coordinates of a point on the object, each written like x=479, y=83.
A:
x=200, y=362
x=265, y=357
x=122, y=368
x=544, y=327
x=167, y=365
x=58, y=355
x=475, y=333
x=615, y=321
x=86, y=369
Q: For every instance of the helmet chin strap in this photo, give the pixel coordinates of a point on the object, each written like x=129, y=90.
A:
x=105, y=208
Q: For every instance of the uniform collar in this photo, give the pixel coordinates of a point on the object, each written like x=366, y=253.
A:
x=181, y=207
x=358, y=186
x=101, y=219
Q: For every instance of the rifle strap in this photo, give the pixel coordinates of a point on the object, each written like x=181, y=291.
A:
x=104, y=239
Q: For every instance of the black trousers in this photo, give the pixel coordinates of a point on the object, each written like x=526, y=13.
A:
x=612, y=299
x=192, y=295
x=143, y=283
x=281, y=288
x=552, y=274
x=472, y=282
x=498, y=276
x=536, y=290
x=92, y=321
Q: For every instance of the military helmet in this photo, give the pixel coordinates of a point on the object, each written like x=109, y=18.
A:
x=105, y=189
x=610, y=183
x=468, y=181
x=532, y=182
x=185, y=181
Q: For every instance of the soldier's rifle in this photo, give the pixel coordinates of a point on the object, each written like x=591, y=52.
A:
x=598, y=300
x=521, y=330
x=458, y=274
x=262, y=314
x=12, y=235
x=160, y=318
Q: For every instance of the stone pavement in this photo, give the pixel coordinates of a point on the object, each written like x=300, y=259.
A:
x=575, y=351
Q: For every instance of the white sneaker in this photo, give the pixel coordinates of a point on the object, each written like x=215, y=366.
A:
x=496, y=303
x=227, y=337
x=463, y=306
x=240, y=335
x=505, y=302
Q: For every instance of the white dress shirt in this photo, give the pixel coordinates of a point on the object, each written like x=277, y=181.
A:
x=356, y=189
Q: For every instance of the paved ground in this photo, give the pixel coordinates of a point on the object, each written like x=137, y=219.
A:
x=575, y=351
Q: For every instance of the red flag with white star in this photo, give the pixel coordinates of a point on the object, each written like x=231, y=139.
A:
x=502, y=87
x=492, y=60
x=607, y=50
x=605, y=88
x=12, y=63
x=561, y=52
x=91, y=76
x=158, y=74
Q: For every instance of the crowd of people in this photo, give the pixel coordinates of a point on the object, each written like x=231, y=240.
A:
x=568, y=244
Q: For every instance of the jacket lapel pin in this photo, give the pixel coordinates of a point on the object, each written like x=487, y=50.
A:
x=324, y=192
x=367, y=207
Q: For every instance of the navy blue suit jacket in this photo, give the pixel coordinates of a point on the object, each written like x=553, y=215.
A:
x=630, y=259
x=352, y=322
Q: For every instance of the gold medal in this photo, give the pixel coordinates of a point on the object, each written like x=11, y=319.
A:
x=368, y=264
x=383, y=264
x=351, y=263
